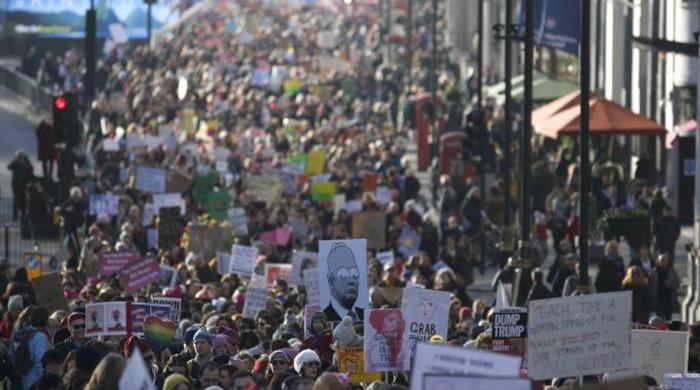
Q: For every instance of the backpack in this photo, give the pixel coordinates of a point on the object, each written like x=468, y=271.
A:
x=23, y=356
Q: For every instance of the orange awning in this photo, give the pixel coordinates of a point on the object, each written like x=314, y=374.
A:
x=563, y=117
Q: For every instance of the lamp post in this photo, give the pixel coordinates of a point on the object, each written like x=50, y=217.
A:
x=585, y=174
x=149, y=19
x=90, y=50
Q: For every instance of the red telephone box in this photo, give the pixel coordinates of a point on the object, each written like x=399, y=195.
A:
x=423, y=130
x=451, y=153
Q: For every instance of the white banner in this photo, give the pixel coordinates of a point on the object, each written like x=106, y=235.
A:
x=656, y=353
x=243, y=260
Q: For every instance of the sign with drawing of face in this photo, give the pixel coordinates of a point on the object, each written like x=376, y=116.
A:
x=386, y=341
x=427, y=313
x=343, y=278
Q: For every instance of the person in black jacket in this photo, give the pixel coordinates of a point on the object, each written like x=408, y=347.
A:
x=609, y=278
x=667, y=229
x=538, y=289
x=568, y=269
x=22, y=173
x=73, y=213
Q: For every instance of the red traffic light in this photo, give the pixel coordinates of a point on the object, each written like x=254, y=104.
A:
x=60, y=103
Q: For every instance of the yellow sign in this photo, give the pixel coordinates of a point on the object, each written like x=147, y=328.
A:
x=323, y=190
x=315, y=162
x=32, y=263
x=352, y=361
x=291, y=86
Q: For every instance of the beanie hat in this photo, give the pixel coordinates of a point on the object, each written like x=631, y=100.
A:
x=132, y=342
x=344, y=332
x=16, y=302
x=190, y=332
x=87, y=357
x=173, y=380
x=464, y=313
x=214, y=388
x=219, y=340
x=203, y=334
x=305, y=357
x=280, y=354
x=75, y=317
x=436, y=339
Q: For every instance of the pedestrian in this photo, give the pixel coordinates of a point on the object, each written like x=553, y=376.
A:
x=636, y=282
x=667, y=230
x=666, y=282
x=22, y=173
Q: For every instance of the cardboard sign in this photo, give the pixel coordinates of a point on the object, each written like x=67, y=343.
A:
x=315, y=163
x=427, y=314
x=149, y=179
x=342, y=276
x=140, y=273
x=277, y=271
x=443, y=359
x=409, y=241
x=175, y=305
x=264, y=189
x=301, y=261
x=351, y=361
x=656, y=353
x=624, y=384
x=386, y=340
x=49, y=292
x=113, y=262
x=446, y=381
x=256, y=297
x=323, y=191
x=311, y=284
x=581, y=335
x=178, y=182
x=218, y=203
x=681, y=381
x=370, y=225
x=509, y=323
x=170, y=223
x=33, y=264
x=239, y=220
x=106, y=203
x=105, y=319
x=243, y=260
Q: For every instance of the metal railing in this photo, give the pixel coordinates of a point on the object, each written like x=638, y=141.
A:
x=28, y=88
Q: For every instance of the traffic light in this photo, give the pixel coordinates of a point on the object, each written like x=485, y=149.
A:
x=65, y=119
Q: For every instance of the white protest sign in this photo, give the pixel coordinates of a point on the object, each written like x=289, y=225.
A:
x=656, y=353
x=385, y=257
x=256, y=297
x=353, y=206
x=338, y=203
x=118, y=34
x=106, y=203
x=302, y=261
x=175, y=307
x=383, y=195
x=386, y=341
x=427, y=313
x=342, y=277
x=239, y=220
x=681, y=381
x=243, y=260
x=182, y=86
x=442, y=359
x=150, y=179
x=110, y=145
x=222, y=262
x=135, y=374
x=313, y=294
x=149, y=211
x=169, y=200
x=576, y=336
x=443, y=381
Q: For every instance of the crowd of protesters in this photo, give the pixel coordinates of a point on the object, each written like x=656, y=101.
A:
x=356, y=118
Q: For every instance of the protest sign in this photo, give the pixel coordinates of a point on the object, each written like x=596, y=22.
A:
x=509, y=323
x=207, y=239
x=383, y=195
x=139, y=274
x=178, y=182
x=302, y=261
x=623, y=384
x=168, y=276
x=170, y=223
x=315, y=162
x=256, y=297
x=427, y=314
x=277, y=271
x=243, y=260
x=681, y=381
x=443, y=359
x=218, y=203
x=386, y=341
x=454, y=382
x=353, y=206
x=656, y=353
x=175, y=305
x=264, y=189
x=328, y=63
x=160, y=311
x=309, y=311
x=370, y=225
x=342, y=276
x=351, y=361
x=49, y=292
x=291, y=86
x=106, y=203
x=149, y=211
x=409, y=241
x=95, y=319
x=139, y=312
x=136, y=375
x=260, y=77
x=338, y=203
x=33, y=263
x=369, y=182
x=223, y=261
x=311, y=284
x=385, y=257
x=105, y=319
x=581, y=335
x=169, y=200
x=149, y=179
x=202, y=186
x=325, y=39
x=323, y=191
x=112, y=262
x=239, y=220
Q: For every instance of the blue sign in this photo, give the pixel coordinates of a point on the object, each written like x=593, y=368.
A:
x=557, y=23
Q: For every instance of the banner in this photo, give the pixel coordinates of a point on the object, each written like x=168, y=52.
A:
x=351, y=361
x=169, y=200
x=656, y=353
x=149, y=179
x=427, y=314
x=682, y=381
x=370, y=225
x=443, y=359
x=112, y=262
x=243, y=260
x=342, y=276
x=386, y=341
x=256, y=297
x=557, y=24
x=446, y=381
x=139, y=274
x=581, y=335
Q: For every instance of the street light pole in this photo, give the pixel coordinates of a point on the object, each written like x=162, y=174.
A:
x=409, y=44
x=433, y=72
x=585, y=174
x=508, y=114
x=480, y=59
x=149, y=20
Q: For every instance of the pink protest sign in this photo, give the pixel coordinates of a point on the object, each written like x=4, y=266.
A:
x=111, y=262
x=139, y=274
